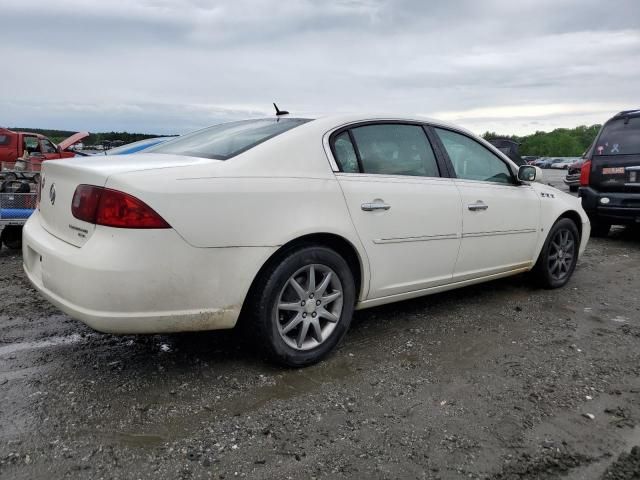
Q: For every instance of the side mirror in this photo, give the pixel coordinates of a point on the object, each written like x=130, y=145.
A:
x=529, y=173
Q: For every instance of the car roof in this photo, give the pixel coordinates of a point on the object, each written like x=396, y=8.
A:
x=628, y=113
x=348, y=118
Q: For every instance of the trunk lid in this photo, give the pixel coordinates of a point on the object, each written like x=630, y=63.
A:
x=59, y=180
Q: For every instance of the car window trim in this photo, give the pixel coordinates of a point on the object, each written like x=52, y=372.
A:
x=356, y=150
x=514, y=179
x=440, y=165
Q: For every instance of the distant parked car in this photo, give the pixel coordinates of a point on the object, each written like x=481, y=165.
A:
x=138, y=146
x=548, y=162
x=509, y=148
x=610, y=176
x=564, y=163
x=530, y=159
x=14, y=145
x=572, y=180
x=539, y=161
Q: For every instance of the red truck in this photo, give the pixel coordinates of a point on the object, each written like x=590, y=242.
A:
x=14, y=144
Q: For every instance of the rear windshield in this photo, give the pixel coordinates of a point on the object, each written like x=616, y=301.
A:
x=226, y=140
x=619, y=138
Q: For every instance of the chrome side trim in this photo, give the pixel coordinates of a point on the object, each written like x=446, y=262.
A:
x=499, y=232
x=424, y=238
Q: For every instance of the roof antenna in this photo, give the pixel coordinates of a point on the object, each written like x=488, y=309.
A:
x=278, y=111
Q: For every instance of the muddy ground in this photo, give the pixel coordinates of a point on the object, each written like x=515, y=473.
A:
x=497, y=381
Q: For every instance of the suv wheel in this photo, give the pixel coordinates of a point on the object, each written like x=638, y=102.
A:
x=304, y=306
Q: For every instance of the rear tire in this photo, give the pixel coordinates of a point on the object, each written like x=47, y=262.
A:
x=12, y=237
x=559, y=255
x=573, y=188
x=302, y=306
x=600, y=229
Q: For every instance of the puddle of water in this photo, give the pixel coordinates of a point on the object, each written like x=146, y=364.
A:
x=292, y=384
x=49, y=342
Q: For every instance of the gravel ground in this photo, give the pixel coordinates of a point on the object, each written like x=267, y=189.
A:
x=496, y=381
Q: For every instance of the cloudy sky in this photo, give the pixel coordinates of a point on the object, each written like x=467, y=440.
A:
x=170, y=66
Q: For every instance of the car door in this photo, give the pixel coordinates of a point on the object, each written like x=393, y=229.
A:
x=500, y=215
x=407, y=214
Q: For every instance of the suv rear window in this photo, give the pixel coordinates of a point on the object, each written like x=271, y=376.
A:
x=227, y=140
x=619, y=137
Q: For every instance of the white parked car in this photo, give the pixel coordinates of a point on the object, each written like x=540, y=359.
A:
x=564, y=163
x=292, y=223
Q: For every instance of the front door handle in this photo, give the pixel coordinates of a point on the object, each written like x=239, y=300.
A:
x=479, y=205
x=377, y=204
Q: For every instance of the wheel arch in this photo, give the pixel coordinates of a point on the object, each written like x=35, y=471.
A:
x=572, y=215
x=575, y=217
x=340, y=244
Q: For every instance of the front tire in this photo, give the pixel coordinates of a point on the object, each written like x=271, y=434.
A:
x=559, y=255
x=303, y=305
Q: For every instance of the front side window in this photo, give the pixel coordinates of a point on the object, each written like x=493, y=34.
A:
x=48, y=147
x=472, y=161
x=619, y=137
x=395, y=149
x=227, y=140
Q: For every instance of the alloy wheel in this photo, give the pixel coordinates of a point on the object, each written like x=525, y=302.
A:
x=309, y=307
x=562, y=251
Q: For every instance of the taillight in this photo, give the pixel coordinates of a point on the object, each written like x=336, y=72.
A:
x=112, y=208
x=585, y=173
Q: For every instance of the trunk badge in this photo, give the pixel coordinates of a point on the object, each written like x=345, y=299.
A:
x=52, y=193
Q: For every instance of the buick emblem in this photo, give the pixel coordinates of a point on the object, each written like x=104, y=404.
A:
x=52, y=193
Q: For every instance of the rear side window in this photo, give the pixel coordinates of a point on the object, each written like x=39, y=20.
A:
x=619, y=138
x=395, y=149
x=472, y=161
x=227, y=140
x=4, y=139
x=345, y=153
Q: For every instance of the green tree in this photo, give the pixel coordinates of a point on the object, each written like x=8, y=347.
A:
x=561, y=142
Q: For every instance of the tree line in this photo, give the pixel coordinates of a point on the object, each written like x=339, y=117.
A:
x=561, y=142
x=57, y=136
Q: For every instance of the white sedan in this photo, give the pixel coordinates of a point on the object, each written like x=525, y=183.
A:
x=290, y=224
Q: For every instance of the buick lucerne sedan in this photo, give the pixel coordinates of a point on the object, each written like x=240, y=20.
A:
x=290, y=224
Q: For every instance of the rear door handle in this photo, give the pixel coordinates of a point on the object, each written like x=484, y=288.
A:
x=377, y=204
x=479, y=205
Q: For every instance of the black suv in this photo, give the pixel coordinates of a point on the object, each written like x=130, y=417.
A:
x=610, y=176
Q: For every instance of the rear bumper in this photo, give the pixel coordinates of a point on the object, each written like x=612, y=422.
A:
x=140, y=281
x=621, y=209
